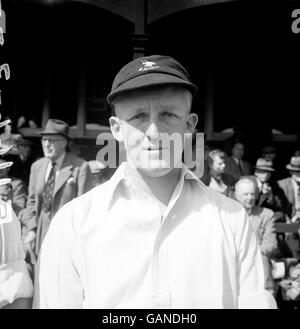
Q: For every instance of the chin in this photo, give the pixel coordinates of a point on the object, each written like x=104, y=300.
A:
x=154, y=173
x=154, y=169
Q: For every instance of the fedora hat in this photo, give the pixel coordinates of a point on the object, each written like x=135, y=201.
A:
x=56, y=127
x=294, y=164
x=265, y=165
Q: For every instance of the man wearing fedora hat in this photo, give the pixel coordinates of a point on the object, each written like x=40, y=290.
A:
x=291, y=188
x=270, y=194
x=153, y=236
x=55, y=179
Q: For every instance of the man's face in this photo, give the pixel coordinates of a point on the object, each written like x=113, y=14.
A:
x=53, y=146
x=262, y=176
x=146, y=120
x=24, y=150
x=218, y=165
x=270, y=156
x=238, y=150
x=245, y=193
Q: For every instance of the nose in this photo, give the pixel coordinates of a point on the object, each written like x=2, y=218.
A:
x=152, y=131
x=46, y=142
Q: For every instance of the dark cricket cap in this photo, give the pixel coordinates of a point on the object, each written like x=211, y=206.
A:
x=149, y=71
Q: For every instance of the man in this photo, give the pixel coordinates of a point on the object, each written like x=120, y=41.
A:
x=55, y=179
x=291, y=188
x=269, y=153
x=262, y=219
x=23, y=160
x=216, y=178
x=153, y=235
x=270, y=194
x=235, y=165
x=18, y=190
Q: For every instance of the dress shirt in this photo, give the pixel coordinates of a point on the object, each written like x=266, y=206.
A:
x=112, y=248
x=58, y=164
x=14, y=277
x=218, y=185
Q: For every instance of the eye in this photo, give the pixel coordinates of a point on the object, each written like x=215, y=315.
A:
x=138, y=116
x=168, y=114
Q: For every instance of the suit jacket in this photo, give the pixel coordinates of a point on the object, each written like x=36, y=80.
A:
x=19, y=190
x=287, y=187
x=274, y=200
x=262, y=220
x=73, y=180
x=233, y=169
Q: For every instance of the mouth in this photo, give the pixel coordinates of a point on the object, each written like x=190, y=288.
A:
x=153, y=149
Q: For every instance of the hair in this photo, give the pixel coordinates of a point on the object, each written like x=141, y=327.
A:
x=213, y=154
x=249, y=179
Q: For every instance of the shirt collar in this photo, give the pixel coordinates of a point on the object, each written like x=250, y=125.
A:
x=124, y=174
x=59, y=160
x=236, y=159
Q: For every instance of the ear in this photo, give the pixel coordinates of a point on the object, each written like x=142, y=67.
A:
x=114, y=123
x=191, y=122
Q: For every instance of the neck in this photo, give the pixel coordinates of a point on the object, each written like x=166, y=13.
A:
x=216, y=175
x=162, y=187
x=249, y=210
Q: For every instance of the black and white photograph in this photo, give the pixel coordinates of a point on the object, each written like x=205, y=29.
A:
x=149, y=157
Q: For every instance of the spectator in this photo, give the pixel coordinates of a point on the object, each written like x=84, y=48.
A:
x=55, y=179
x=23, y=160
x=216, y=178
x=270, y=194
x=235, y=165
x=262, y=219
x=269, y=153
x=291, y=188
x=8, y=135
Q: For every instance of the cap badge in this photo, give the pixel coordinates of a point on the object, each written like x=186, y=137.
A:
x=147, y=65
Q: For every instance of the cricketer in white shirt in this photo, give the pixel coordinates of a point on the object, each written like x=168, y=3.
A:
x=153, y=236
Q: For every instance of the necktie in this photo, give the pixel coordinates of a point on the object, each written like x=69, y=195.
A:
x=240, y=167
x=48, y=189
